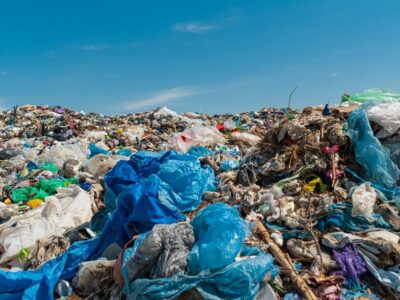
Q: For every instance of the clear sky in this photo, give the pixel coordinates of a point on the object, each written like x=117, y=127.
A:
x=208, y=55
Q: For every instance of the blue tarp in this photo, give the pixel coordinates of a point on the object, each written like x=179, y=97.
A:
x=135, y=189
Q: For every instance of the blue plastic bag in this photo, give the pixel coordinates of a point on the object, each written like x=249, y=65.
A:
x=181, y=178
x=229, y=164
x=95, y=150
x=124, y=152
x=199, y=151
x=370, y=154
x=238, y=280
x=339, y=216
x=219, y=232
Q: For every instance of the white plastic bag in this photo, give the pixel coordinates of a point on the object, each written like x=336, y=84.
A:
x=197, y=135
x=69, y=208
x=386, y=114
x=59, y=153
x=247, y=139
x=363, y=198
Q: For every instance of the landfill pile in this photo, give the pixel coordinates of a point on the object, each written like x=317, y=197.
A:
x=275, y=204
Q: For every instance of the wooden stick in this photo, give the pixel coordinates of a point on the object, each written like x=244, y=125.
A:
x=279, y=256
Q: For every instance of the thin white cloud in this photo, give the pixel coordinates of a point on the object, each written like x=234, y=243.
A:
x=225, y=19
x=160, y=98
x=335, y=74
x=92, y=47
x=194, y=27
x=3, y=73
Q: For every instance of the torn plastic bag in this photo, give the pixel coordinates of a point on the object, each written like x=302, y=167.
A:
x=390, y=278
x=238, y=280
x=370, y=154
x=162, y=252
x=386, y=114
x=219, y=233
x=197, y=135
x=69, y=208
x=59, y=153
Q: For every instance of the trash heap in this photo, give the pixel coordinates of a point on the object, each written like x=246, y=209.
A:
x=275, y=204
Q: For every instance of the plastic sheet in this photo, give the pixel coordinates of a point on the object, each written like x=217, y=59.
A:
x=219, y=233
x=161, y=253
x=340, y=216
x=386, y=114
x=372, y=94
x=238, y=280
x=180, y=178
x=69, y=208
x=370, y=154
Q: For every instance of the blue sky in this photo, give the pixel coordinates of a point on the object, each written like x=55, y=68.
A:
x=207, y=56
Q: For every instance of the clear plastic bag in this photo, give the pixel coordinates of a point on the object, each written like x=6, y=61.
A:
x=197, y=135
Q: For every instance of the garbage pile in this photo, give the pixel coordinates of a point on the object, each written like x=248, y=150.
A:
x=275, y=204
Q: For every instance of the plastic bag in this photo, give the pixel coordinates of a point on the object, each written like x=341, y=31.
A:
x=180, y=179
x=197, y=135
x=98, y=165
x=95, y=150
x=161, y=253
x=370, y=154
x=386, y=114
x=238, y=280
x=363, y=199
x=219, y=233
x=199, y=151
x=59, y=153
x=68, y=209
x=229, y=164
x=372, y=94
x=247, y=139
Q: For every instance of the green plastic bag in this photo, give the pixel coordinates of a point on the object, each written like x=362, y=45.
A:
x=49, y=167
x=41, y=190
x=372, y=94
